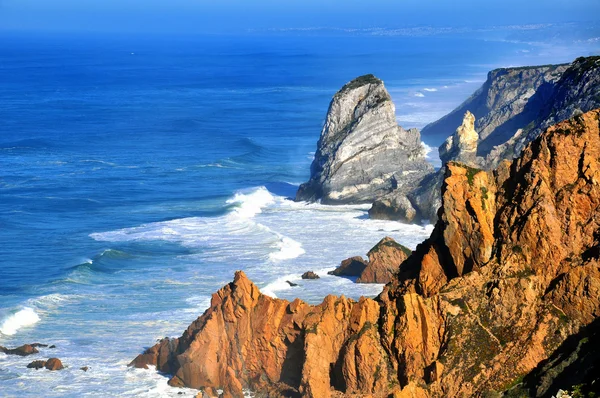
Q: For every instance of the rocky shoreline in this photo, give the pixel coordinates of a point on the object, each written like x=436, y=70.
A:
x=510, y=273
x=363, y=156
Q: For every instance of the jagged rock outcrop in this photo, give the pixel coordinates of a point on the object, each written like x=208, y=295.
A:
x=573, y=367
x=420, y=203
x=310, y=275
x=515, y=105
x=577, y=91
x=505, y=102
x=510, y=271
x=383, y=263
x=462, y=145
x=362, y=153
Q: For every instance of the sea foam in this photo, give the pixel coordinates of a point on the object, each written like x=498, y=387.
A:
x=250, y=203
x=18, y=320
x=288, y=249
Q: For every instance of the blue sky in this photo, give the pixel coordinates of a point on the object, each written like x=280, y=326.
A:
x=235, y=15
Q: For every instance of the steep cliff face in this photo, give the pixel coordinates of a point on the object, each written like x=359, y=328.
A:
x=362, y=153
x=505, y=94
x=462, y=145
x=510, y=271
x=577, y=91
x=515, y=105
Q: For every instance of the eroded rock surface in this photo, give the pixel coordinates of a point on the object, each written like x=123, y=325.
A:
x=509, y=272
x=310, y=275
x=515, y=105
x=383, y=263
x=23, y=351
x=362, y=153
x=462, y=145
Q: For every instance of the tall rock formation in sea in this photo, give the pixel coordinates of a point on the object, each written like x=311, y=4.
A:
x=511, y=270
x=362, y=153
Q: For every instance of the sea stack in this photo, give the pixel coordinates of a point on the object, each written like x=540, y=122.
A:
x=362, y=153
x=501, y=286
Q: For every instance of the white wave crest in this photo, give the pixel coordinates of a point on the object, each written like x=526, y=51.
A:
x=279, y=285
x=288, y=249
x=431, y=154
x=251, y=203
x=18, y=320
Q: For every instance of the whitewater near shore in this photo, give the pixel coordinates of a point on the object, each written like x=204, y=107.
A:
x=108, y=313
x=138, y=177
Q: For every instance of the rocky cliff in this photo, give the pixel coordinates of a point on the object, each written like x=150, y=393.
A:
x=505, y=102
x=462, y=145
x=362, y=153
x=510, y=271
x=515, y=105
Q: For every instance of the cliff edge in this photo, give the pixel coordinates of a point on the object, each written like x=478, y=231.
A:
x=510, y=271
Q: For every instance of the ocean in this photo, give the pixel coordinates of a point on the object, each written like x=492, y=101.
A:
x=137, y=173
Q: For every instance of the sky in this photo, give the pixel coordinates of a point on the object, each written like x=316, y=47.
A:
x=216, y=16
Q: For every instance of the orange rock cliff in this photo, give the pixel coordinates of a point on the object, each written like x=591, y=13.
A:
x=510, y=271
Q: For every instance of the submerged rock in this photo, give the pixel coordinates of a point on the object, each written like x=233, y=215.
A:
x=37, y=365
x=353, y=266
x=362, y=153
x=310, y=275
x=50, y=364
x=54, y=364
x=292, y=284
x=511, y=269
x=23, y=351
x=384, y=261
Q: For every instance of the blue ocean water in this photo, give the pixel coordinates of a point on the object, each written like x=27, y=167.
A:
x=137, y=173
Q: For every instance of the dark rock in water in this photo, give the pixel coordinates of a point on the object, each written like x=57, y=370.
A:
x=23, y=351
x=310, y=275
x=291, y=283
x=160, y=354
x=37, y=365
x=384, y=262
x=54, y=364
x=52, y=346
x=393, y=206
x=353, y=266
x=84, y=368
x=39, y=345
x=362, y=153
x=511, y=269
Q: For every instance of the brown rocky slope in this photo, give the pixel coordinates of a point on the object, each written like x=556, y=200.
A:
x=510, y=271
